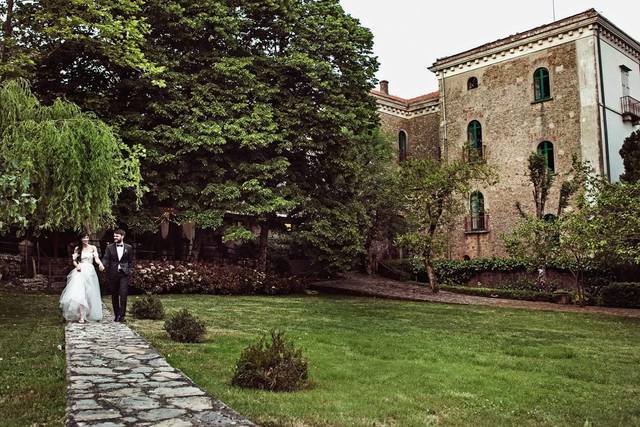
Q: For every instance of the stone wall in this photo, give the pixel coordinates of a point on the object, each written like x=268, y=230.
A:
x=9, y=266
x=39, y=283
x=422, y=133
x=513, y=125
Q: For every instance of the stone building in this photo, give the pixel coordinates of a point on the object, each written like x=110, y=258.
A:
x=567, y=88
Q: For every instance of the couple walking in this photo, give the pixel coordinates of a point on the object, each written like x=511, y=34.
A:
x=80, y=300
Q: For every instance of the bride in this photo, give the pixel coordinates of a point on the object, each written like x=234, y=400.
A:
x=80, y=299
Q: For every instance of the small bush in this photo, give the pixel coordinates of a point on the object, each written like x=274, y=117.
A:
x=275, y=365
x=148, y=307
x=621, y=294
x=185, y=327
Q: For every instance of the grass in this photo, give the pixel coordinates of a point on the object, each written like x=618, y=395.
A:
x=32, y=367
x=389, y=363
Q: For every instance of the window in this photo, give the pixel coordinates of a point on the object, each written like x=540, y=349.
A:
x=545, y=149
x=402, y=146
x=474, y=138
x=541, y=84
x=472, y=83
x=477, y=211
x=625, y=79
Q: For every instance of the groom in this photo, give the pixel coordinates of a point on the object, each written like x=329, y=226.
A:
x=118, y=261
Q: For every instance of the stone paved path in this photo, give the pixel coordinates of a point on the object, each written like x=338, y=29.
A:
x=360, y=284
x=115, y=378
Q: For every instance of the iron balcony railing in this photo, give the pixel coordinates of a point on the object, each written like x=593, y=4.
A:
x=630, y=109
x=473, y=154
x=476, y=223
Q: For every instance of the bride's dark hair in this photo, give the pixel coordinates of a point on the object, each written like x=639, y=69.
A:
x=78, y=250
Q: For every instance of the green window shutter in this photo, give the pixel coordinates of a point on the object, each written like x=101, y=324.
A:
x=541, y=84
x=545, y=149
x=474, y=134
x=476, y=207
x=402, y=146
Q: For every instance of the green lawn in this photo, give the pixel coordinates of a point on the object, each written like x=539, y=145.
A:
x=388, y=363
x=32, y=368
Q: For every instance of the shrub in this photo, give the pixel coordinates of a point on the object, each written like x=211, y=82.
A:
x=621, y=294
x=202, y=278
x=148, y=307
x=185, y=327
x=455, y=271
x=275, y=365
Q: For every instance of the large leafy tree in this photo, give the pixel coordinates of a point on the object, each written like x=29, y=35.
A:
x=630, y=153
x=263, y=110
x=80, y=50
x=62, y=168
x=266, y=112
x=433, y=194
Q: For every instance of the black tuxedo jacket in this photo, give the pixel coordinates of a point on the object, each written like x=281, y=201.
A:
x=111, y=261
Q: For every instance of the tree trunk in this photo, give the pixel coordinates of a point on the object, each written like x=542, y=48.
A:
x=262, y=252
x=582, y=299
x=7, y=32
x=433, y=281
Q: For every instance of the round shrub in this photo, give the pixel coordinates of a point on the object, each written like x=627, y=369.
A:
x=185, y=327
x=274, y=366
x=622, y=294
x=148, y=307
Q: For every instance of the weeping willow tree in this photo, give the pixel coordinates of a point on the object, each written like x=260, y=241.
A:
x=61, y=168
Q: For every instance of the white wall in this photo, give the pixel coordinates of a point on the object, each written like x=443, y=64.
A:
x=589, y=110
x=612, y=58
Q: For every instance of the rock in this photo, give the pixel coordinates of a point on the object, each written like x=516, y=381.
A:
x=97, y=415
x=138, y=403
x=160, y=414
x=173, y=423
x=178, y=391
x=191, y=403
x=84, y=404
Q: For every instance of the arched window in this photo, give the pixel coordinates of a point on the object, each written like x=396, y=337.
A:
x=541, y=84
x=545, y=149
x=476, y=207
x=474, y=134
x=472, y=83
x=402, y=146
x=474, y=137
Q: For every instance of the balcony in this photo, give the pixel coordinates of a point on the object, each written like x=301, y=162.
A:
x=473, y=154
x=476, y=224
x=630, y=110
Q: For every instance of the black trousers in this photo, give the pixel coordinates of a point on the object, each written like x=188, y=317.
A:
x=119, y=284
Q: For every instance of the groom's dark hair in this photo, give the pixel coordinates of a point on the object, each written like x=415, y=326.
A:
x=120, y=231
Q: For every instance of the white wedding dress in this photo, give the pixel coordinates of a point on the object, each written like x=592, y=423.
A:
x=82, y=290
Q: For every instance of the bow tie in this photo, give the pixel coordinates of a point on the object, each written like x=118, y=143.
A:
x=120, y=246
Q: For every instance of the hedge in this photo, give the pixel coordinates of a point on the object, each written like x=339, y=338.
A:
x=161, y=277
x=455, y=272
x=620, y=294
x=502, y=293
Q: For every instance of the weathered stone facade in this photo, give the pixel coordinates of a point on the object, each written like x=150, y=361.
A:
x=419, y=118
x=513, y=122
x=513, y=125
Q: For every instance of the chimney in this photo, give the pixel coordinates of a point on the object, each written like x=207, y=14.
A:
x=384, y=86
